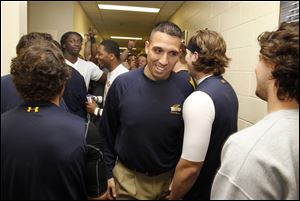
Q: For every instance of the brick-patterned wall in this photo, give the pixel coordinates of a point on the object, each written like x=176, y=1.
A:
x=240, y=23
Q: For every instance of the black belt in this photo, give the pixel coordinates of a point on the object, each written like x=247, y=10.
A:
x=147, y=173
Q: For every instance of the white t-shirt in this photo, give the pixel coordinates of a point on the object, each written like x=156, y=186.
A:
x=87, y=69
x=262, y=161
x=111, y=76
x=198, y=115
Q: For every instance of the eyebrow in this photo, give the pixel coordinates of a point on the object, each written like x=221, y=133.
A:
x=177, y=51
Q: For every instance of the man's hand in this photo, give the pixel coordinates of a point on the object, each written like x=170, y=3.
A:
x=92, y=32
x=91, y=106
x=111, y=189
x=101, y=197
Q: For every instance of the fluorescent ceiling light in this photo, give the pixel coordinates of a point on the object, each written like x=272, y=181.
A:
x=128, y=8
x=126, y=38
x=124, y=48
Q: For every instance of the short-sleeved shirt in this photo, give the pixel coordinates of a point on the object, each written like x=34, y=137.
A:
x=87, y=69
x=111, y=76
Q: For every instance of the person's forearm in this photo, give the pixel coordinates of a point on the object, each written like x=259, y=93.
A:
x=94, y=49
x=183, y=180
x=125, y=54
x=87, y=50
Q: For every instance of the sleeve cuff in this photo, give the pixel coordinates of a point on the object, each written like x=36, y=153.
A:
x=96, y=111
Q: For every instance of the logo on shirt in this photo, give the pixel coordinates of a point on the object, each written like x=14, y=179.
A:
x=31, y=109
x=175, y=109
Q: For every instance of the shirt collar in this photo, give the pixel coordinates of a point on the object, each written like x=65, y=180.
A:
x=202, y=79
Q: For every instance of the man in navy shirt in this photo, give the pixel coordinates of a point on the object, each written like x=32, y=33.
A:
x=9, y=94
x=43, y=147
x=74, y=96
x=210, y=116
x=142, y=121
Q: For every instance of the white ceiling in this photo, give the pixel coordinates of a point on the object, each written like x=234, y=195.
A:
x=126, y=23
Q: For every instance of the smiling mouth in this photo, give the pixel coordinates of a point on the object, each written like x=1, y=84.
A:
x=159, y=69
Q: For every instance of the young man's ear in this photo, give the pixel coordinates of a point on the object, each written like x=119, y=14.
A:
x=195, y=56
x=146, y=46
x=111, y=56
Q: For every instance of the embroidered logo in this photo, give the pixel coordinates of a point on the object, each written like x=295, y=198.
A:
x=175, y=109
x=31, y=109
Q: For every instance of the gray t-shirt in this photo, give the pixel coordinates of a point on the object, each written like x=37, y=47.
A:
x=262, y=161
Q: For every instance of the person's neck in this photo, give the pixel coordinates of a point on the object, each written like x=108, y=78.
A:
x=274, y=104
x=180, y=66
x=55, y=100
x=114, y=64
x=71, y=58
x=201, y=75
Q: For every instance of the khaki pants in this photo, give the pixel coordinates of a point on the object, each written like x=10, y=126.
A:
x=133, y=185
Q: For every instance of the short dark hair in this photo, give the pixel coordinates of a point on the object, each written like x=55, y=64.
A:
x=111, y=46
x=281, y=47
x=211, y=48
x=142, y=55
x=39, y=72
x=65, y=37
x=167, y=27
x=28, y=39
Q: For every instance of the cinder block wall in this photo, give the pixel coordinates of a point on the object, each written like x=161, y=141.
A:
x=240, y=23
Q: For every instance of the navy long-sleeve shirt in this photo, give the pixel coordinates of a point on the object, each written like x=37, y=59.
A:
x=142, y=122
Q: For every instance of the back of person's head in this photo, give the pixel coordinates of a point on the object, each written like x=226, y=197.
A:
x=167, y=27
x=65, y=37
x=111, y=47
x=142, y=55
x=28, y=39
x=39, y=72
x=281, y=47
x=211, y=49
x=183, y=54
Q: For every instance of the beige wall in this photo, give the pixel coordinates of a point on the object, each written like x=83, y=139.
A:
x=13, y=26
x=240, y=23
x=58, y=17
x=53, y=17
x=81, y=22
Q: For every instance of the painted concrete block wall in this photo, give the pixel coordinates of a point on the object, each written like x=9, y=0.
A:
x=240, y=23
x=57, y=18
x=51, y=17
x=13, y=26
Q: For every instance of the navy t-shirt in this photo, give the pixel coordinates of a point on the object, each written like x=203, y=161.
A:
x=43, y=152
x=142, y=122
x=9, y=95
x=75, y=94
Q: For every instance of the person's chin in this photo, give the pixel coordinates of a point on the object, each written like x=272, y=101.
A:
x=76, y=52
